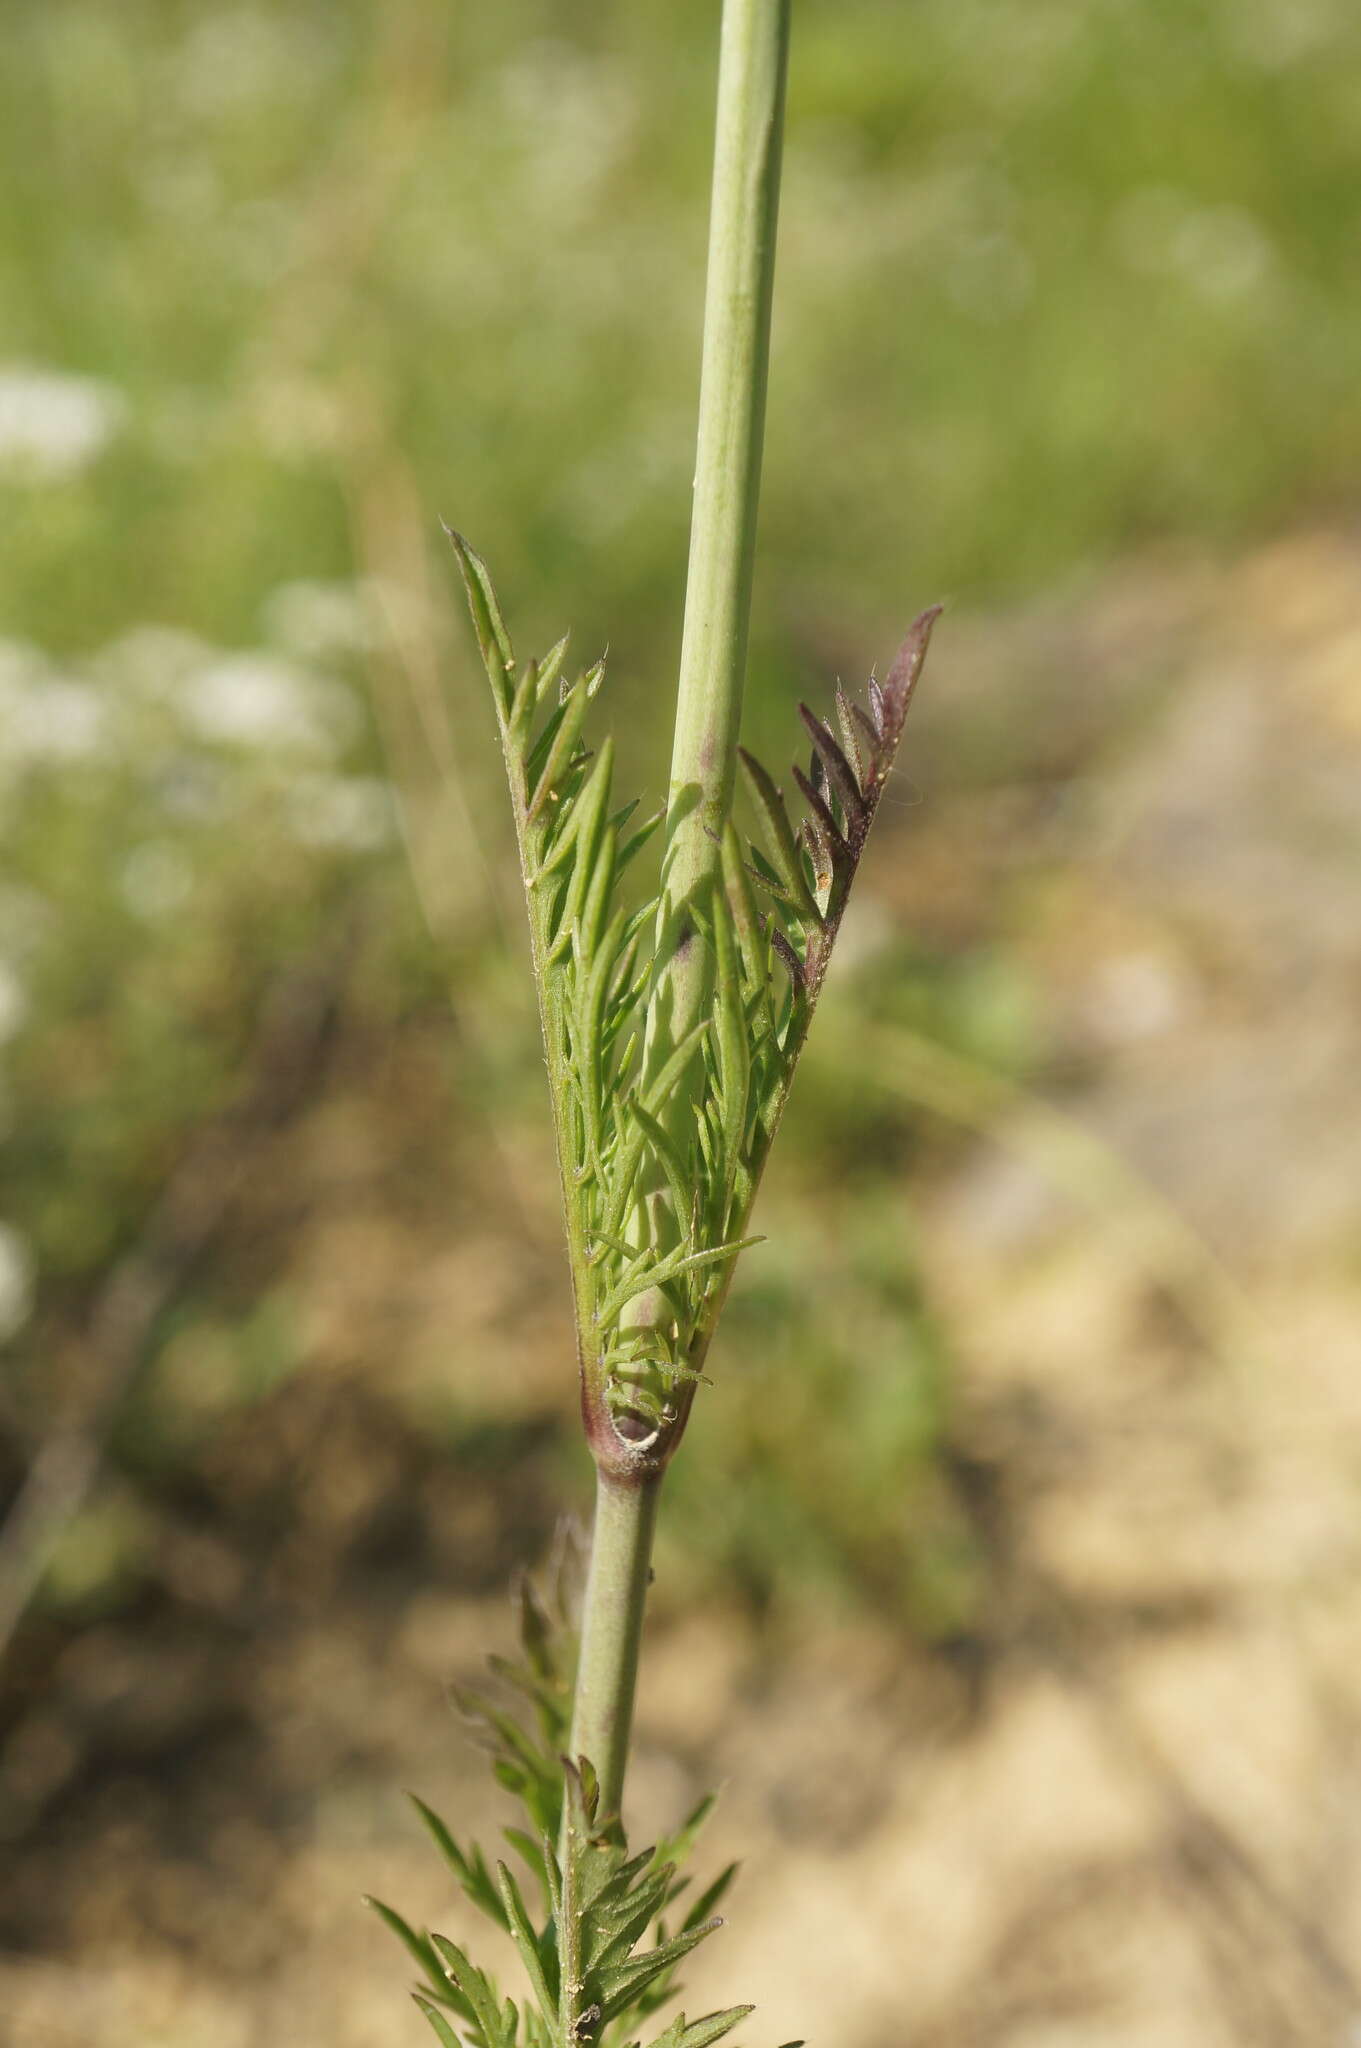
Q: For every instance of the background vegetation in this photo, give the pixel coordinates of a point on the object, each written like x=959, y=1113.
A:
x=1066, y=332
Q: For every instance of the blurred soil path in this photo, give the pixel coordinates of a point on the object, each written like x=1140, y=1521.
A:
x=1127, y=1813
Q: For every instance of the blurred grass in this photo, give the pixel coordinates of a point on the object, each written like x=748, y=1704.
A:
x=1054, y=280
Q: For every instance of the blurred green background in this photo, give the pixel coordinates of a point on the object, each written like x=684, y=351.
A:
x=1066, y=334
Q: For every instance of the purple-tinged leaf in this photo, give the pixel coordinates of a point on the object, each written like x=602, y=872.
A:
x=907, y=666
x=878, y=709
x=839, y=772
x=850, y=738
x=866, y=724
x=819, y=852
x=789, y=957
x=760, y=870
x=822, y=811
x=779, y=837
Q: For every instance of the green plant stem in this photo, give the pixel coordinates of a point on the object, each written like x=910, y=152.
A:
x=612, y=1626
x=732, y=403
x=744, y=208
x=751, y=88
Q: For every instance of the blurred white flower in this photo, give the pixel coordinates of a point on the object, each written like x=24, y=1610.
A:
x=62, y=721
x=152, y=659
x=577, y=113
x=319, y=621
x=52, y=425
x=45, y=716
x=355, y=813
x=262, y=700
x=1222, y=253
x=16, y=1281
x=249, y=57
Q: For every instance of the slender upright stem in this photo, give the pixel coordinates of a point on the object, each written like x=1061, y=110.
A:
x=612, y=1626
x=732, y=404
x=750, y=120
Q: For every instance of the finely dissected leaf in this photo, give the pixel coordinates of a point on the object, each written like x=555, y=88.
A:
x=832, y=836
x=578, y=834
x=634, y=845
x=568, y=721
x=734, y=1060
x=631, y=1152
x=535, y=1629
x=619, y=1930
x=856, y=730
x=847, y=777
x=650, y=1271
x=477, y=1988
x=526, y=1770
x=839, y=774
x=524, y=703
x=585, y=1968
x=595, y=910
x=550, y=668
x=470, y=1870
x=906, y=670
x=534, y=1958
x=703, y=1908
x=677, y=1848
x=587, y=1027
x=664, y=1147
x=791, y=960
x=533, y=1853
x=437, y=2020
x=624, y=1983
x=701, y=2033
x=492, y=638
x=878, y=710
x=421, y=1948
x=752, y=935
x=780, y=837
x=760, y=870
x=657, y=1197
x=531, y=758
x=501, y=1731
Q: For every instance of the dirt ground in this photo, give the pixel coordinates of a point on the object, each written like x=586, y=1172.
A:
x=1129, y=1816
